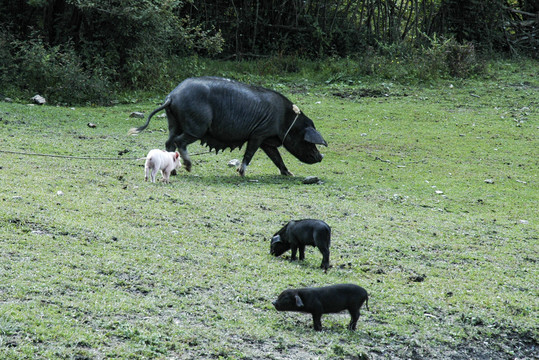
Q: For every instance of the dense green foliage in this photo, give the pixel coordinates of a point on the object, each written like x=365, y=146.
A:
x=319, y=28
x=78, y=52
x=98, y=264
x=85, y=49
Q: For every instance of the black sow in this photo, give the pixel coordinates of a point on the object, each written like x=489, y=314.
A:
x=223, y=113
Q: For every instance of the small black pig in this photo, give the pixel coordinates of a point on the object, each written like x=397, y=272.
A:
x=299, y=233
x=324, y=300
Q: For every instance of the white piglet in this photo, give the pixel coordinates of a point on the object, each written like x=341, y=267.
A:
x=161, y=160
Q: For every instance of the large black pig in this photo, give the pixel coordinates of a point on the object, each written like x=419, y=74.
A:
x=223, y=113
x=299, y=233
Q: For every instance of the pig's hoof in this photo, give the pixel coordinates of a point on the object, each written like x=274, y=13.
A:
x=286, y=173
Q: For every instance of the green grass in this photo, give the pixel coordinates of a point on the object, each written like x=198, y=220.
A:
x=98, y=264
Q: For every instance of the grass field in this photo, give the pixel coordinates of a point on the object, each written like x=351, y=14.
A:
x=431, y=192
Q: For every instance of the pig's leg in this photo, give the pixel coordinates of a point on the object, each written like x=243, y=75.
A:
x=294, y=251
x=146, y=172
x=301, y=252
x=252, y=146
x=317, y=321
x=187, y=124
x=325, y=258
x=166, y=174
x=322, y=241
x=174, y=130
x=274, y=155
x=354, y=313
x=154, y=172
x=181, y=142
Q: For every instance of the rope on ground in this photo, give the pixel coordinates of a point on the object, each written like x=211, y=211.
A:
x=82, y=157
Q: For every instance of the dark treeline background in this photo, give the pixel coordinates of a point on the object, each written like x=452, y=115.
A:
x=91, y=47
x=318, y=28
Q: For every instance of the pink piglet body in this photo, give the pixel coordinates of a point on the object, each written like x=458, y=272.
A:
x=161, y=160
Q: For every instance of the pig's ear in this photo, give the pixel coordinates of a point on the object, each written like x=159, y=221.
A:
x=313, y=136
x=299, y=302
x=177, y=155
x=276, y=239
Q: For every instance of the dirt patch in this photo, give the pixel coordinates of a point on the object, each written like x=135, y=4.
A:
x=250, y=349
x=503, y=346
x=526, y=85
x=359, y=93
x=507, y=346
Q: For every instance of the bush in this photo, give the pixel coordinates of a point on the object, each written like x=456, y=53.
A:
x=7, y=63
x=79, y=52
x=445, y=58
x=56, y=73
x=461, y=59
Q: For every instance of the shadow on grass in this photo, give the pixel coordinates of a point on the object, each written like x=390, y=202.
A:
x=285, y=259
x=248, y=180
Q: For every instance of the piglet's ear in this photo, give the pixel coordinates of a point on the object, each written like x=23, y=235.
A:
x=299, y=303
x=313, y=136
